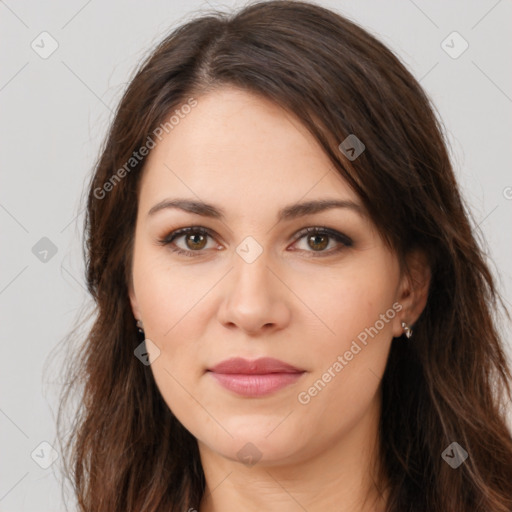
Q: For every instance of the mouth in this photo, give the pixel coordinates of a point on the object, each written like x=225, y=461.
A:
x=255, y=378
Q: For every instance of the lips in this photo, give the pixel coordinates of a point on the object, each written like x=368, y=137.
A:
x=255, y=378
x=261, y=366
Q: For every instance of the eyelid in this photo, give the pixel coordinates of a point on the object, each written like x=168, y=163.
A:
x=322, y=230
x=176, y=233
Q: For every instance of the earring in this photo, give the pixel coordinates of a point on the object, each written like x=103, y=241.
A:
x=140, y=328
x=407, y=330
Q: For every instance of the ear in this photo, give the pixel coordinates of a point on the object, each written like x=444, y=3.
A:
x=133, y=301
x=413, y=290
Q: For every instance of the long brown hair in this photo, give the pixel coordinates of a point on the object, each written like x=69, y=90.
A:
x=126, y=452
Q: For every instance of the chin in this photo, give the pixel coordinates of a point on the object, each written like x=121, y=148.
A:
x=253, y=444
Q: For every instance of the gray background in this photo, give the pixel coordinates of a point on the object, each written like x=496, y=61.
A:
x=55, y=112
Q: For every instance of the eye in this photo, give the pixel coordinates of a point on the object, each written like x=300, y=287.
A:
x=317, y=238
x=196, y=237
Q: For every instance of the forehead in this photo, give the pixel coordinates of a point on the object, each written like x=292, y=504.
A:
x=240, y=149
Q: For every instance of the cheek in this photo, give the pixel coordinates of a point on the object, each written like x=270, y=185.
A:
x=169, y=300
x=350, y=357
x=168, y=293
x=355, y=303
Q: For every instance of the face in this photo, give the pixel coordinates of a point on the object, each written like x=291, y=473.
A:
x=247, y=280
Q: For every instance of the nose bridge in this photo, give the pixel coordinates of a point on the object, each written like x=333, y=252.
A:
x=253, y=299
x=251, y=273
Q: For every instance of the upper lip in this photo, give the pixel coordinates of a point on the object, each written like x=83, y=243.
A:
x=263, y=365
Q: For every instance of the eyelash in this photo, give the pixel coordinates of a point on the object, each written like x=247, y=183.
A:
x=344, y=240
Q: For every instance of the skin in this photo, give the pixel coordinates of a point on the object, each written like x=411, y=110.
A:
x=296, y=302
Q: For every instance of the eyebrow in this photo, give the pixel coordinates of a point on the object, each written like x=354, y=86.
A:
x=292, y=211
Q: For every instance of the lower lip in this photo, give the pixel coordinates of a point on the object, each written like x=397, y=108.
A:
x=255, y=385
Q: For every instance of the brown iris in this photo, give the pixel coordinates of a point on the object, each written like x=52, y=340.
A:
x=196, y=238
x=316, y=238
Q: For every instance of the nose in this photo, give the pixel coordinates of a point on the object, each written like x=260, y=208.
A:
x=255, y=298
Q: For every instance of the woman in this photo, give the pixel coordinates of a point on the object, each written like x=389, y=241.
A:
x=292, y=310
